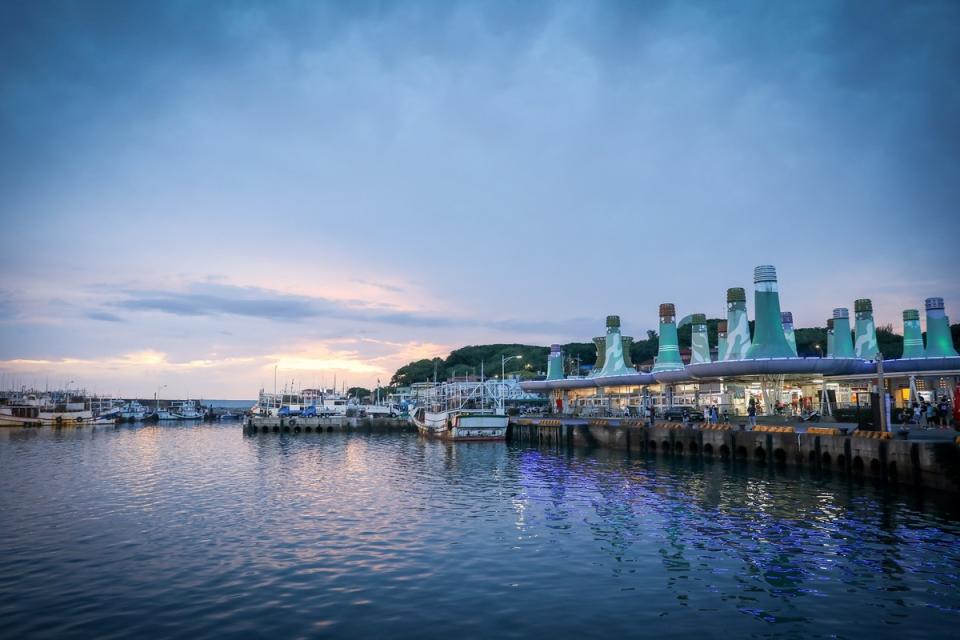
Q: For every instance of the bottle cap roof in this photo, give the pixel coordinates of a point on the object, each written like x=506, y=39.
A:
x=765, y=273
x=736, y=294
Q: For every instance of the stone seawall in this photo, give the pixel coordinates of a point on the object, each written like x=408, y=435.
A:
x=299, y=424
x=917, y=463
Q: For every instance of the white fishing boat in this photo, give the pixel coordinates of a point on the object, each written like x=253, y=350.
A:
x=56, y=408
x=133, y=410
x=186, y=410
x=461, y=411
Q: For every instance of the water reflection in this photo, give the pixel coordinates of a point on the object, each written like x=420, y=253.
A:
x=144, y=530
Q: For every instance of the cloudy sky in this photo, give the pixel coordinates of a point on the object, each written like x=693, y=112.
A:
x=194, y=192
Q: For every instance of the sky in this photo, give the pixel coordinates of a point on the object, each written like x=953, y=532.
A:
x=194, y=193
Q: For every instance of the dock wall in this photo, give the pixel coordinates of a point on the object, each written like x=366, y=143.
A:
x=298, y=424
x=917, y=463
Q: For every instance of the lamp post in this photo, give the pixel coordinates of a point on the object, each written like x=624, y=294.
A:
x=819, y=353
x=503, y=375
x=503, y=363
x=156, y=396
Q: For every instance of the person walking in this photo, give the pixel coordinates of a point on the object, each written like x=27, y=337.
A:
x=752, y=412
x=943, y=411
x=930, y=414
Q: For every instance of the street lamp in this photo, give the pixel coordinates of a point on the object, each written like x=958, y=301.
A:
x=503, y=362
x=156, y=396
x=819, y=354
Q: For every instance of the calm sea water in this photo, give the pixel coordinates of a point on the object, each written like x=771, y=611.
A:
x=200, y=531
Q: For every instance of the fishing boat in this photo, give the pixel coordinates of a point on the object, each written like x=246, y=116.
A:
x=461, y=411
x=56, y=408
x=186, y=410
x=133, y=410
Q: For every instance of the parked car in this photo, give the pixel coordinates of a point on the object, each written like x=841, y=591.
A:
x=675, y=414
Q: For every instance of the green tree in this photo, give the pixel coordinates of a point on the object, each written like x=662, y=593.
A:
x=889, y=343
x=419, y=371
x=358, y=392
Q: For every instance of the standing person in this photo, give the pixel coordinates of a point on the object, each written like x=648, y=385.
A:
x=714, y=414
x=944, y=412
x=652, y=413
x=752, y=412
x=923, y=413
x=930, y=414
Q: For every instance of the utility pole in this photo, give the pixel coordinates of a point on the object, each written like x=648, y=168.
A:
x=882, y=388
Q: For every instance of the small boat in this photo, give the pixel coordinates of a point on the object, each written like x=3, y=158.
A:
x=186, y=410
x=133, y=410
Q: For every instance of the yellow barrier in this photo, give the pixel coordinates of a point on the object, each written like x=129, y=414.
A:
x=764, y=428
x=875, y=435
x=823, y=431
x=716, y=427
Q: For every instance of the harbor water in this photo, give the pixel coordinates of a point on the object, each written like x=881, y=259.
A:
x=200, y=531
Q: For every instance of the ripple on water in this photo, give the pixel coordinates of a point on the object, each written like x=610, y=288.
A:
x=200, y=532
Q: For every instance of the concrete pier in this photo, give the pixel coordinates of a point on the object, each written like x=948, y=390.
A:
x=917, y=463
x=298, y=424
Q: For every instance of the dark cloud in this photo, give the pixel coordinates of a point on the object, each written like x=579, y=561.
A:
x=380, y=285
x=254, y=302
x=104, y=316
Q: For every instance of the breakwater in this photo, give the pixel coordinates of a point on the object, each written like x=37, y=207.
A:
x=299, y=424
x=917, y=463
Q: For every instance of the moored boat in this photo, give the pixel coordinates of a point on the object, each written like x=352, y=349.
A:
x=461, y=411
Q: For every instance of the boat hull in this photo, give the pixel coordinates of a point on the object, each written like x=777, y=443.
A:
x=460, y=427
x=50, y=420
